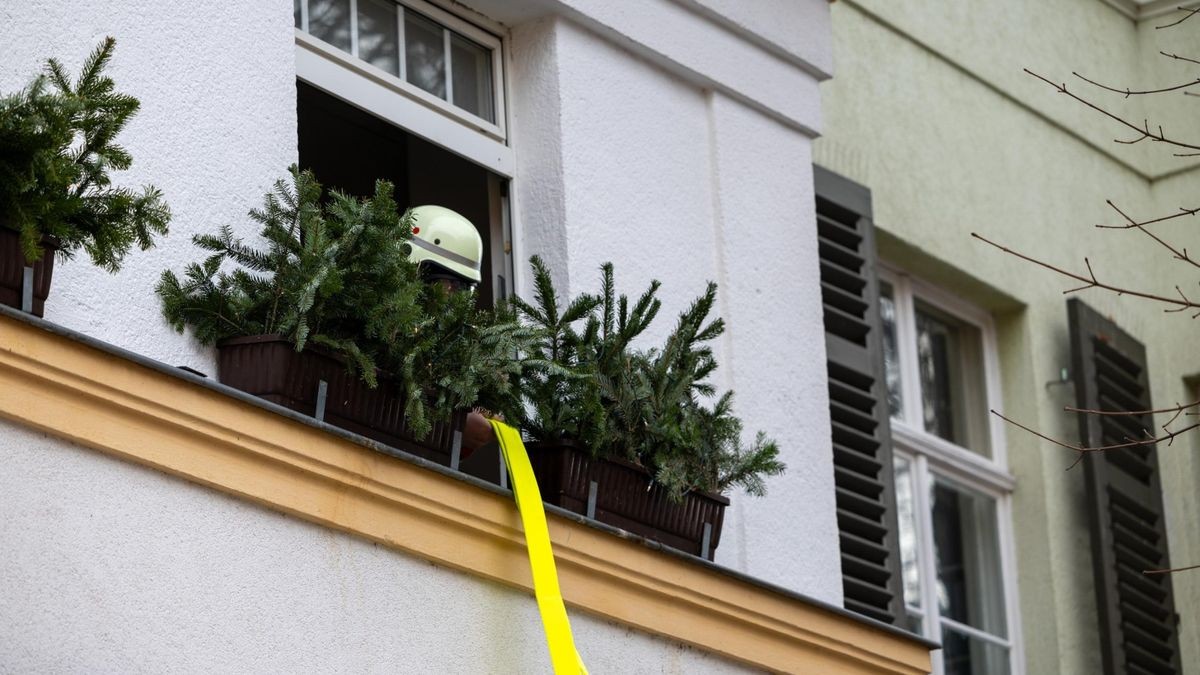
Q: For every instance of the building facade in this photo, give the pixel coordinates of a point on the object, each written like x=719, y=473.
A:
x=1010, y=558
x=212, y=533
x=824, y=163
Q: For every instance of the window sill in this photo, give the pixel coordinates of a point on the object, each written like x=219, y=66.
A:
x=146, y=412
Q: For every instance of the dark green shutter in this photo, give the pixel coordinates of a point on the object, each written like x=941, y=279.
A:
x=1138, y=625
x=862, y=450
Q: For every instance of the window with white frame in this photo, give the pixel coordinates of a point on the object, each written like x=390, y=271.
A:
x=408, y=92
x=430, y=53
x=953, y=492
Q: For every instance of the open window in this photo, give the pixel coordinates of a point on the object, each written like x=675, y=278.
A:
x=348, y=149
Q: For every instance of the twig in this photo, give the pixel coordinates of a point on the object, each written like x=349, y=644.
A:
x=1191, y=13
x=1175, y=408
x=1182, y=212
x=1128, y=92
x=1179, y=254
x=1089, y=281
x=1178, y=409
x=1083, y=450
x=1181, y=58
x=1144, y=130
x=1173, y=569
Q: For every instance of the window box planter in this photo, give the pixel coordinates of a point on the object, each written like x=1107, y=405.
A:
x=626, y=497
x=12, y=271
x=268, y=366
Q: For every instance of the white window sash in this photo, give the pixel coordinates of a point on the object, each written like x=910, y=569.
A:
x=385, y=96
x=931, y=455
x=495, y=45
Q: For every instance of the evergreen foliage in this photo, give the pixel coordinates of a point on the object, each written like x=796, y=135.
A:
x=332, y=274
x=337, y=274
x=456, y=357
x=57, y=149
x=654, y=407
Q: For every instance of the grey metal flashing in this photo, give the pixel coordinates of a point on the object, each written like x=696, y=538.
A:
x=204, y=382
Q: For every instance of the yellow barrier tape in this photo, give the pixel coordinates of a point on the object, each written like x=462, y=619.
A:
x=563, y=655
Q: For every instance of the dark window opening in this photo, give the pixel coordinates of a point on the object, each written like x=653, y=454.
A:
x=348, y=149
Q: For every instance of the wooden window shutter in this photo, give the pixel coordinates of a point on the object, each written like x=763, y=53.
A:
x=862, y=447
x=1138, y=625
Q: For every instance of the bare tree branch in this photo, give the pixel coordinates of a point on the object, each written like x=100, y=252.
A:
x=1181, y=58
x=1128, y=92
x=1191, y=13
x=1091, y=281
x=1174, y=569
x=1160, y=137
x=1083, y=450
x=1182, y=212
x=1180, y=254
x=1173, y=409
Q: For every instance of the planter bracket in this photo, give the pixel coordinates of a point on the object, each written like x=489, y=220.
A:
x=456, y=450
x=27, y=290
x=322, y=394
x=704, y=552
x=593, y=488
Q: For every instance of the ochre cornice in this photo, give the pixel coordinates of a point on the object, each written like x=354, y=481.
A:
x=101, y=399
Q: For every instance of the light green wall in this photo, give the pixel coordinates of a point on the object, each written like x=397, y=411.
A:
x=930, y=109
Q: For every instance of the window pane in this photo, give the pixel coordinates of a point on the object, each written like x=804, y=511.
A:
x=296, y=12
x=967, y=554
x=950, y=360
x=329, y=20
x=378, y=42
x=964, y=655
x=471, y=66
x=425, y=54
x=906, y=513
x=891, y=357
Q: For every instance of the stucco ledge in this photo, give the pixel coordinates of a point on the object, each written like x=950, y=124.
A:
x=100, y=397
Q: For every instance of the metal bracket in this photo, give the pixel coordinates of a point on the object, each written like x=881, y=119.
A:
x=322, y=393
x=591, y=505
x=503, y=473
x=706, y=541
x=1064, y=377
x=456, y=450
x=27, y=291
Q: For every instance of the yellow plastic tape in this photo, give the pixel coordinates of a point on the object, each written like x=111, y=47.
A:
x=563, y=655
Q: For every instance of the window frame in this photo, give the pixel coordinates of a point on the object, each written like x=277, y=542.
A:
x=930, y=456
x=406, y=105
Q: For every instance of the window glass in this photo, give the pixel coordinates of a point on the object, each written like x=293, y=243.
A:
x=378, y=34
x=906, y=514
x=967, y=554
x=966, y=655
x=471, y=69
x=891, y=357
x=296, y=13
x=425, y=54
x=949, y=353
x=329, y=20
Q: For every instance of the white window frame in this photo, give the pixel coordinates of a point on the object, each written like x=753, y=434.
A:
x=406, y=105
x=931, y=455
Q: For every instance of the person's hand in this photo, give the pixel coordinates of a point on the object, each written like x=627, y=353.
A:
x=477, y=432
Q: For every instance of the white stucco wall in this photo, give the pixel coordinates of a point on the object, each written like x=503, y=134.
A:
x=108, y=567
x=673, y=140
x=673, y=182
x=217, y=127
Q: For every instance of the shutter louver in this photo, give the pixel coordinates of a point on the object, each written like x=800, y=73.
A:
x=1137, y=611
x=862, y=452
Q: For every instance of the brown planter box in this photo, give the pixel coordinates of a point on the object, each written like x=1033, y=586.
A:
x=627, y=498
x=268, y=366
x=12, y=271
